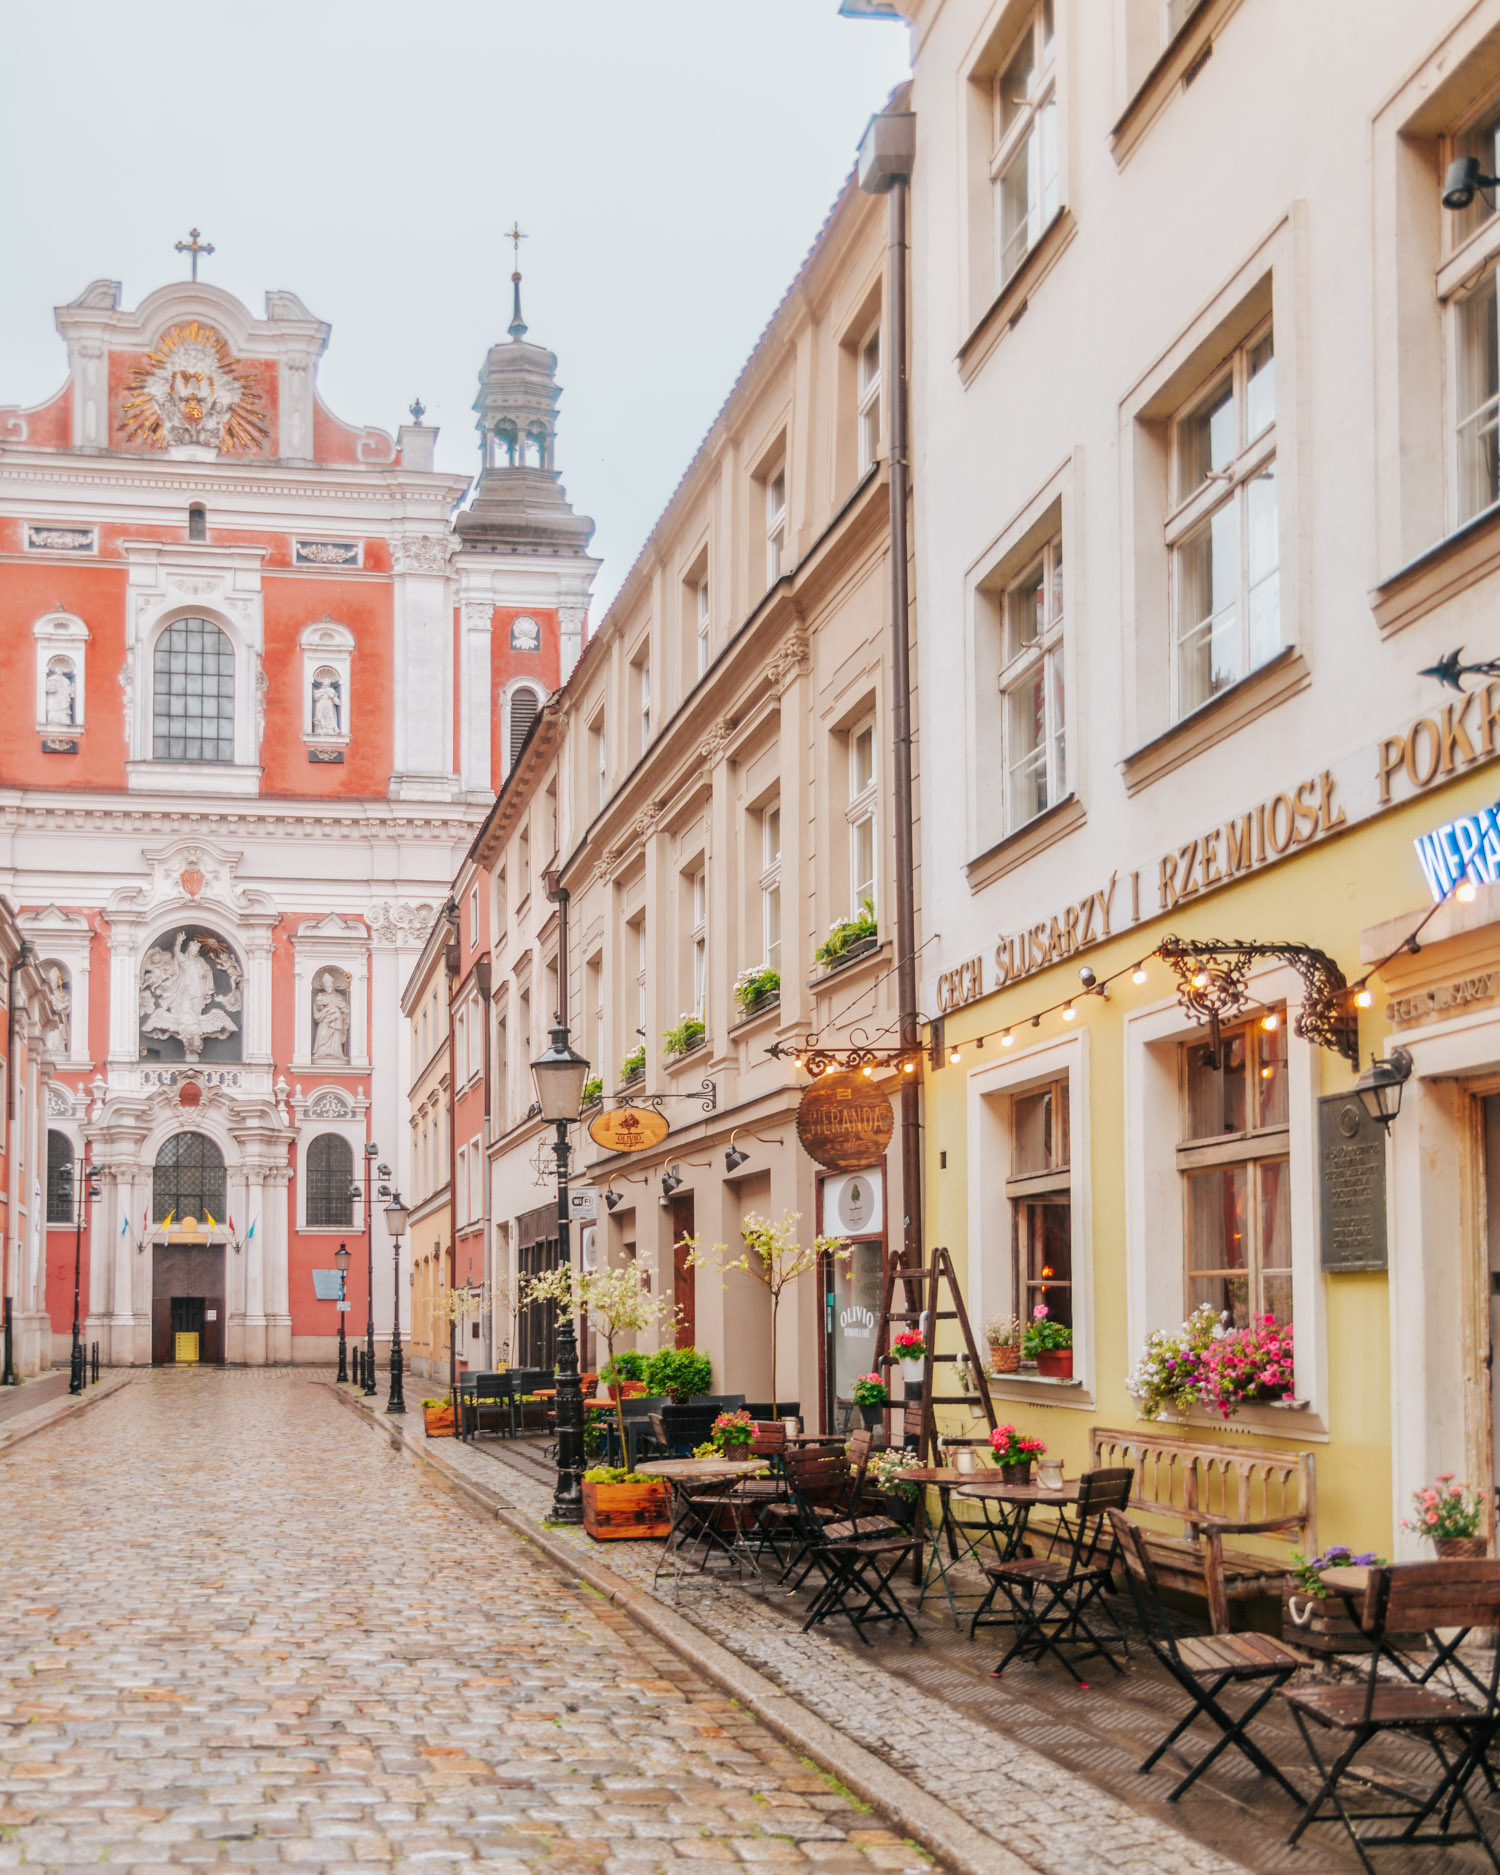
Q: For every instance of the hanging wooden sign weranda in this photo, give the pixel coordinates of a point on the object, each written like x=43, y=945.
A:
x=844, y=1122
x=628, y=1129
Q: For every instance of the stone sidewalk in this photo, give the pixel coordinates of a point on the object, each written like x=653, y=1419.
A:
x=1049, y=1818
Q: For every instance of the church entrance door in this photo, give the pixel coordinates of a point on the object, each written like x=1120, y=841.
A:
x=187, y=1304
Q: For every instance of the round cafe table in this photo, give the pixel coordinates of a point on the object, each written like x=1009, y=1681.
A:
x=1012, y=1508
x=695, y=1523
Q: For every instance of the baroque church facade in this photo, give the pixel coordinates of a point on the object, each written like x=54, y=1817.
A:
x=264, y=671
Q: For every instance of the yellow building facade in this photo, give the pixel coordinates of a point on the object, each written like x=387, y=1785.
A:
x=425, y=1007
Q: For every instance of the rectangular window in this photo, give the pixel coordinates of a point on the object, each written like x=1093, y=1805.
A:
x=643, y=700
x=861, y=817
x=1478, y=399
x=770, y=887
x=1041, y=1202
x=698, y=938
x=1223, y=535
x=1233, y=1162
x=1031, y=689
x=502, y=1073
x=775, y=525
x=869, y=401
x=702, y=617
x=1023, y=157
x=523, y=864
x=474, y=916
x=502, y=905
x=598, y=763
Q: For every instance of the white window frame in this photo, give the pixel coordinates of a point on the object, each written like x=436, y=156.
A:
x=598, y=746
x=869, y=398
x=1031, y=137
x=861, y=810
x=770, y=884
x=1155, y=1211
x=643, y=697
x=474, y=1205
x=1194, y=510
x=703, y=621
x=1044, y=653
x=990, y=1091
x=776, y=512
x=698, y=943
x=64, y=635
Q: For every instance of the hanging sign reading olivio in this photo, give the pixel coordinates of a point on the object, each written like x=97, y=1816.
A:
x=844, y=1122
x=628, y=1129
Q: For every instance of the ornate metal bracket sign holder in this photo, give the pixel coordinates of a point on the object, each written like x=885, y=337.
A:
x=1211, y=987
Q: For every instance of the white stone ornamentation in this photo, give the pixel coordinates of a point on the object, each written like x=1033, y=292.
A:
x=330, y=1015
x=179, y=991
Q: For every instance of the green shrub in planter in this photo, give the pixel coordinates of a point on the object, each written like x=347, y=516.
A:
x=679, y=1373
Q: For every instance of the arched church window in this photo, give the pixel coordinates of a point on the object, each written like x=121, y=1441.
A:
x=197, y=522
x=524, y=704
x=189, y=1180
x=330, y=1167
x=193, y=693
x=59, y=1177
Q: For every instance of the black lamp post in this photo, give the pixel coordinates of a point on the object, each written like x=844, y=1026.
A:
x=559, y=1075
x=341, y=1258
x=395, y=1223
x=83, y=1198
x=365, y=1190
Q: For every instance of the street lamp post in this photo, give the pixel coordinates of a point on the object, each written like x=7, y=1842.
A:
x=363, y=1185
x=341, y=1259
x=559, y=1075
x=395, y=1223
x=83, y=1197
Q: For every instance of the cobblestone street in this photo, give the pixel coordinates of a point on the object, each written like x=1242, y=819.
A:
x=238, y=1631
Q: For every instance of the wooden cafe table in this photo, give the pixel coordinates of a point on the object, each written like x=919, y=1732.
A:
x=715, y=1478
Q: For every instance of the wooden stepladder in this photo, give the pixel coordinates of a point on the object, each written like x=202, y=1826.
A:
x=924, y=1288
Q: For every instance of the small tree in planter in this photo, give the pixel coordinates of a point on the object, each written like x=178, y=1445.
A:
x=617, y=1303
x=773, y=1256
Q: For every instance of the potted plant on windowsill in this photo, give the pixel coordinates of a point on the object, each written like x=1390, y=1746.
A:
x=849, y=938
x=1452, y=1515
x=1049, y=1344
x=593, y=1092
x=1004, y=1332
x=689, y=1034
x=871, y=1395
x=633, y=1067
x=756, y=989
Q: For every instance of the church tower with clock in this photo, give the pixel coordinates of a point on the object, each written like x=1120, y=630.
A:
x=264, y=672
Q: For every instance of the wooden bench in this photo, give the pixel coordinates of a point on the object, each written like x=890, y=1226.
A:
x=1215, y=1491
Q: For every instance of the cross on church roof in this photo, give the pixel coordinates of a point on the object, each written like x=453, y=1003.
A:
x=195, y=247
x=514, y=235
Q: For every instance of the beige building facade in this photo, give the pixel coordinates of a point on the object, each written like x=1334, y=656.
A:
x=425, y=1007
x=705, y=801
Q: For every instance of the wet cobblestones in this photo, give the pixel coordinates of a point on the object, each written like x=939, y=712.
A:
x=238, y=1632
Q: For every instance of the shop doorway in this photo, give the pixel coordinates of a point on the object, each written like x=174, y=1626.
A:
x=537, y=1251
x=684, y=1276
x=851, y=1207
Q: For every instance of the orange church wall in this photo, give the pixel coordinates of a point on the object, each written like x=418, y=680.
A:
x=541, y=667
x=96, y=593
x=61, y=1241
x=366, y=608
x=44, y=426
x=336, y=441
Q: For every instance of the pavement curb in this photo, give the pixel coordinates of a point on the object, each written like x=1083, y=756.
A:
x=927, y=1819
x=64, y=1407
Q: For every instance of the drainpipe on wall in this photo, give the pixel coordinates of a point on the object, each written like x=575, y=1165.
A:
x=13, y=1172
x=886, y=154
x=482, y=983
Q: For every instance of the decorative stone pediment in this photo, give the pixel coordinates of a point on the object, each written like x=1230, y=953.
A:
x=191, y=874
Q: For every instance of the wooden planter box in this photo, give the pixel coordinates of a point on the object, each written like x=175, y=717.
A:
x=642, y=1508
x=439, y=1421
x=1327, y=1630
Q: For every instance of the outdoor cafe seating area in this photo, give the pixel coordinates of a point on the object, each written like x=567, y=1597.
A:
x=1060, y=1606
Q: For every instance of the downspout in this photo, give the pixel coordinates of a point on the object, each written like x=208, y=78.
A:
x=18, y=964
x=886, y=155
x=482, y=976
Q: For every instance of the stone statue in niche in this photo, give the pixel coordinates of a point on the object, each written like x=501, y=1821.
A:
x=60, y=695
x=330, y=1014
x=61, y=986
x=180, y=987
x=327, y=703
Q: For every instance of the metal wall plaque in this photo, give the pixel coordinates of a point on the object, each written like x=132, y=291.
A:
x=1351, y=1179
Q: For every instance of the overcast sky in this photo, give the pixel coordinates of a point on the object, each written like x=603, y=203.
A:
x=670, y=160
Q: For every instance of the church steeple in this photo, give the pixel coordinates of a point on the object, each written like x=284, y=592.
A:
x=520, y=505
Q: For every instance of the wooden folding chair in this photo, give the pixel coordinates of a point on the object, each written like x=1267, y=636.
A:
x=1052, y=1597
x=856, y=1558
x=1410, y=1598
x=1203, y=1665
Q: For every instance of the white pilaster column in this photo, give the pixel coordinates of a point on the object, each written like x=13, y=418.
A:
x=423, y=659
x=477, y=626
x=251, y=1326
x=277, y=1269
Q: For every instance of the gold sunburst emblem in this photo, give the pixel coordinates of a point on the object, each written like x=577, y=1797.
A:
x=189, y=390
